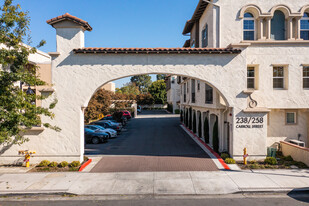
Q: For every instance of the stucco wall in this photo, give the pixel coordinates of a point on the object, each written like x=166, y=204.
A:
x=278, y=128
x=297, y=153
x=231, y=24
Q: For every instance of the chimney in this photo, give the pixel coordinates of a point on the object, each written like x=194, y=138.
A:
x=70, y=32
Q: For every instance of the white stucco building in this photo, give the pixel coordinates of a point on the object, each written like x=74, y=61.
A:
x=246, y=72
x=172, y=91
x=274, y=37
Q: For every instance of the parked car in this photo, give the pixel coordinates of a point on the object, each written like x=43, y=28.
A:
x=111, y=133
x=107, y=125
x=119, y=118
x=126, y=114
x=95, y=137
x=113, y=123
x=139, y=109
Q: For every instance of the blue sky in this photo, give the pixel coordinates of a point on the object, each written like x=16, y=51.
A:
x=121, y=23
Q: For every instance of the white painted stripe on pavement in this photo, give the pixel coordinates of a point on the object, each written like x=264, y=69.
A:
x=213, y=157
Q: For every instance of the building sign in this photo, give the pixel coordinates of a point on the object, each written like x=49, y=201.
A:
x=249, y=122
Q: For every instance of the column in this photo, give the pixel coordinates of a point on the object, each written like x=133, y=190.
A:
x=290, y=28
x=297, y=27
x=260, y=28
x=268, y=30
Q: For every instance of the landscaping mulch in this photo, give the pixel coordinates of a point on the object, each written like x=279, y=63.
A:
x=54, y=169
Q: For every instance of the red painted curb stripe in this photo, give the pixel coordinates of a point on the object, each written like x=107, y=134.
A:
x=211, y=150
x=85, y=165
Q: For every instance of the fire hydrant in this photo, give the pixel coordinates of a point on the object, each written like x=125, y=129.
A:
x=245, y=156
x=27, y=154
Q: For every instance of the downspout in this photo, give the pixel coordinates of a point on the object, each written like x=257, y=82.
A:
x=219, y=16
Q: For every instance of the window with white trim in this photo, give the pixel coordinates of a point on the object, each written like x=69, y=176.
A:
x=306, y=77
x=251, y=78
x=278, y=77
x=249, y=27
x=304, y=27
x=291, y=118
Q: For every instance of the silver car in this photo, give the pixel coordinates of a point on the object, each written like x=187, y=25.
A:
x=111, y=133
x=113, y=123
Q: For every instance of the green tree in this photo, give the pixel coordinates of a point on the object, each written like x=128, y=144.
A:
x=200, y=126
x=194, y=122
x=144, y=99
x=216, y=136
x=99, y=104
x=129, y=88
x=158, y=91
x=142, y=82
x=17, y=110
x=190, y=118
x=206, y=130
x=161, y=76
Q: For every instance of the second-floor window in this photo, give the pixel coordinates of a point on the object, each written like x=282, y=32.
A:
x=304, y=27
x=278, y=77
x=249, y=27
x=250, y=78
x=205, y=36
x=208, y=94
x=193, y=90
x=306, y=77
x=278, y=26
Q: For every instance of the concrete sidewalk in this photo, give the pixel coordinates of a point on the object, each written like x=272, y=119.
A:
x=155, y=183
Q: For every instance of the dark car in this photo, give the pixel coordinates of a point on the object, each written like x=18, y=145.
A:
x=107, y=125
x=95, y=137
x=120, y=118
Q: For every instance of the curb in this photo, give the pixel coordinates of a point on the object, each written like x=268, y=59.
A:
x=216, y=155
x=84, y=165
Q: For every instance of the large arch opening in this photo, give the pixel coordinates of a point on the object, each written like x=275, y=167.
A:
x=154, y=140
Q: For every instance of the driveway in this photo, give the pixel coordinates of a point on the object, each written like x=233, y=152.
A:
x=152, y=142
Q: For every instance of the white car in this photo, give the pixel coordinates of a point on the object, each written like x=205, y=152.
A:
x=111, y=133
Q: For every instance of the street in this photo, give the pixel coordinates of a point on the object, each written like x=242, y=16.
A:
x=232, y=200
x=152, y=142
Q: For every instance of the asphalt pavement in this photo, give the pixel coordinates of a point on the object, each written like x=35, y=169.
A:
x=231, y=200
x=152, y=142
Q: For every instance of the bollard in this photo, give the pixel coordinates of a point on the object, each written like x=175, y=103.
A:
x=245, y=156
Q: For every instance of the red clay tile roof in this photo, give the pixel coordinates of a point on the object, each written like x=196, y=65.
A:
x=69, y=17
x=158, y=50
x=202, y=5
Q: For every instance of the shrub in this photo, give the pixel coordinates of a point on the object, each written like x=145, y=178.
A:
x=224, y=156
x=253, y=162
x=53, y=164
x=177, y=111
x=288, y=158
x=270, y=161
x=230, y=161
x=75, y=164
x=301, y=165
x=254, y=166
x=216, y=136
x=44, y=163
x=194, y=122
x=63, y=164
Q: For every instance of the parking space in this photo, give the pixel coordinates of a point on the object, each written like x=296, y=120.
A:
x=152, y=142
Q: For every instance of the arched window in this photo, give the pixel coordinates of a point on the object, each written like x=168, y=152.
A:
x=278, y=26
x=304, y=27
x=249, y=27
